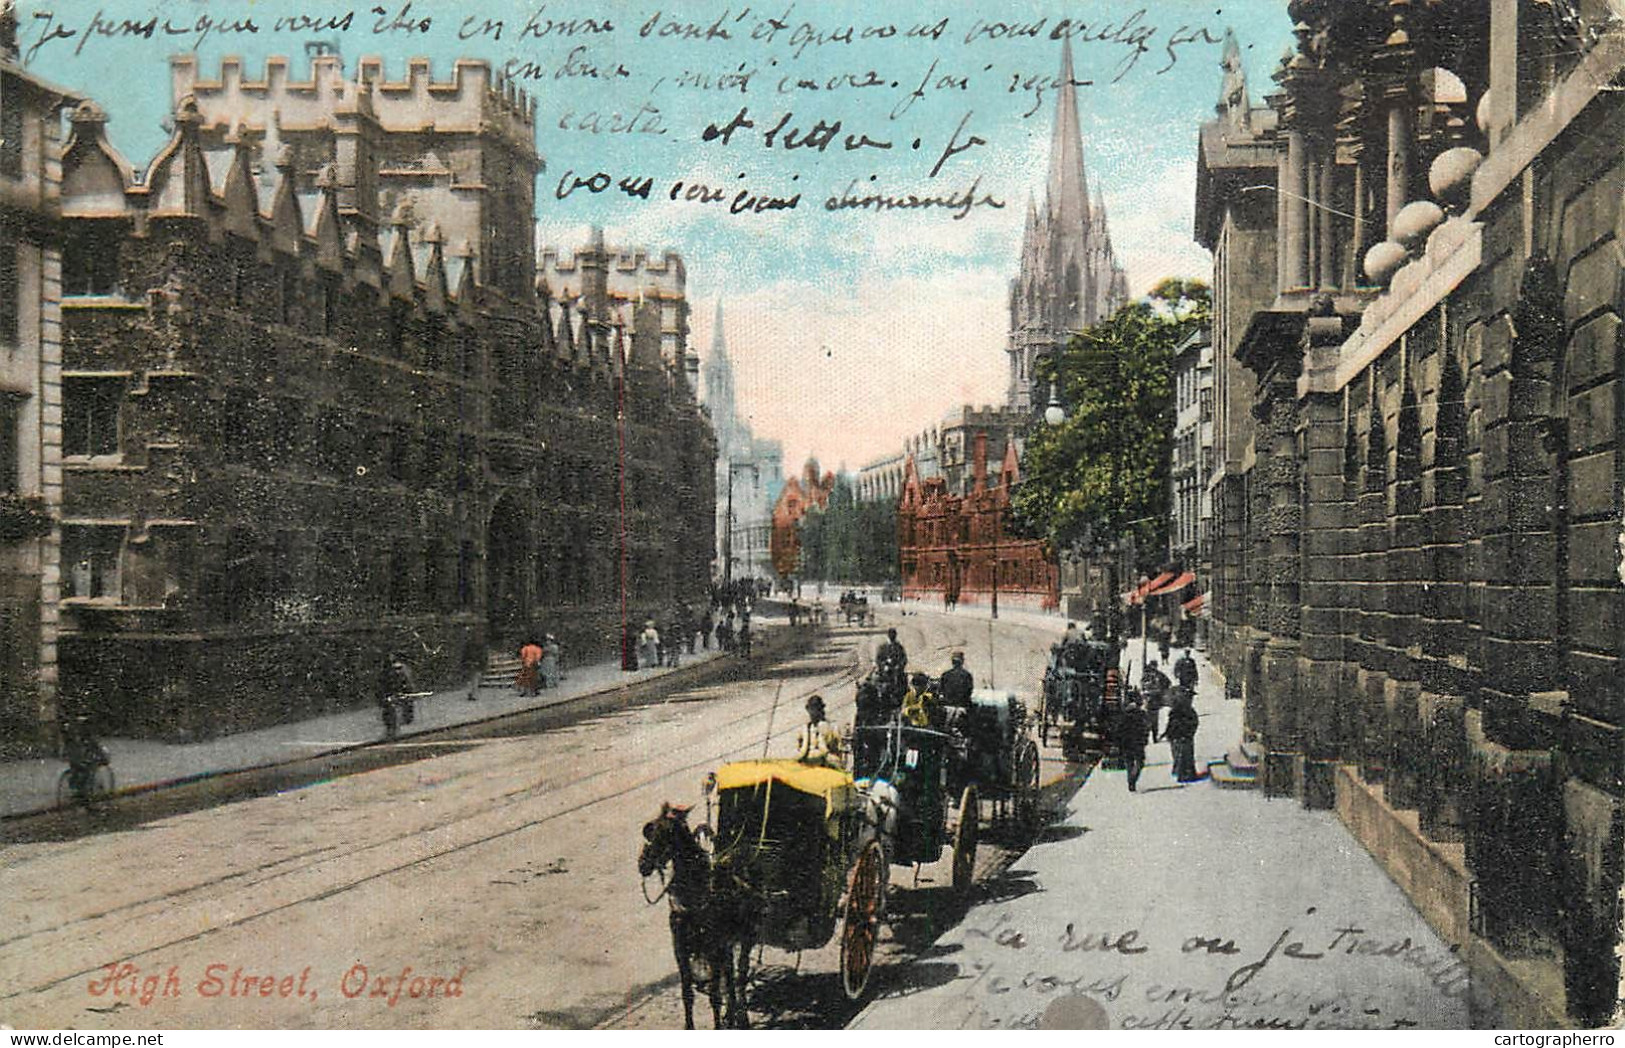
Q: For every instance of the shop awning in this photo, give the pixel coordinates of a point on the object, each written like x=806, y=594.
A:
x=1138, y=594
x=1196, y=607
x=1174, y=585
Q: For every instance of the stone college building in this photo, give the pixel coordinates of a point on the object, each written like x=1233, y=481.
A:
x=316, y=406
x=1419, y=273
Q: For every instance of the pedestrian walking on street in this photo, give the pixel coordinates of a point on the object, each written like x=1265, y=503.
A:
x=552, y=656
x=1185, y=671
x=1181, y=736
x=649, y=646
x=708, y=625
x=1132, y=728
x=530, y=660
x=744, y=637
x=1154, y=689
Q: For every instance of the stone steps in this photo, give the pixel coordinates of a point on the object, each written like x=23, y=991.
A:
x=1239, y=769
x=500, y=672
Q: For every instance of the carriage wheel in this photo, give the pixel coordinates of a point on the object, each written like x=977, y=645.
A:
x=1026, y=783
x=865, y=898
x=970, y=826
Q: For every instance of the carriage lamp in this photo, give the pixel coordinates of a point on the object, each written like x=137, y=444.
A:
x=1054, y=414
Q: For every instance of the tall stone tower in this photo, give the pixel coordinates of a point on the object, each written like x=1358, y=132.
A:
x=750, y=470
x=1069, y=277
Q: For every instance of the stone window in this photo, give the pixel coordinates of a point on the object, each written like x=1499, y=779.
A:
x=403, y=457
x=467, y=566
x=90, y=561
x=395, y=331
x=244, y=578
x=400, y=577
x=434, y=553
x=10, y=293
x=240, y=428
x=90, y=414
x=10, y=441
x=89, y=263
x=11, y=134
x=288, y=297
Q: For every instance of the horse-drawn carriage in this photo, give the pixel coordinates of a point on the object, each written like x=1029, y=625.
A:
x=999, y=756
x=855, y=608
x=1082, y=695
x=798, y=850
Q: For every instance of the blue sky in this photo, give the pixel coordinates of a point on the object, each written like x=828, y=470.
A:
x=849, y=328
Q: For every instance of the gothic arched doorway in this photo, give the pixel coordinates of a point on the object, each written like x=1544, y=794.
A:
x=508, y=556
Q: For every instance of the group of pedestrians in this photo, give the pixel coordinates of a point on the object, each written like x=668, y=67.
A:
x=1140, y=720
x=539, y=665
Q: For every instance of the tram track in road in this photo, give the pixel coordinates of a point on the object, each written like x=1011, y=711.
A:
x=250, y=883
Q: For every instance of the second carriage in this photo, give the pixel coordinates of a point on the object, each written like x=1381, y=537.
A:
x=1082, y=695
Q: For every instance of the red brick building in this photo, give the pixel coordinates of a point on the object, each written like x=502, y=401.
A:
x=960, y=544
x=795, y=499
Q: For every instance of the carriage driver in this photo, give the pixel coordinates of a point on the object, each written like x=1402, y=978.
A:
x=957, y=683
x=818, y=742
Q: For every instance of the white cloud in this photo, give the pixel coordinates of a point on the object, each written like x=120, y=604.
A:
x=847, y=371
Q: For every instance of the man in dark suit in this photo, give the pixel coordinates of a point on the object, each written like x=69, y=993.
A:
x=957, y=683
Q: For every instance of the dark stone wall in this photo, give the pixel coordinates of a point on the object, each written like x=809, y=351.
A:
x=316, y=473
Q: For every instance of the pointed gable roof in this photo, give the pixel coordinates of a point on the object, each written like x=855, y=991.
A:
x=94, y=174
x=178, y=181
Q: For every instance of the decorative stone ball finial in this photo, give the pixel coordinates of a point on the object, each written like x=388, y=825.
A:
x=1382, y=261
x=1415, y=221
x=1450, y=178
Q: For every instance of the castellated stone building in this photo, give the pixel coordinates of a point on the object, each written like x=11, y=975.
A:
x=1417, y=472
x=1069, y=277
x=317, y=406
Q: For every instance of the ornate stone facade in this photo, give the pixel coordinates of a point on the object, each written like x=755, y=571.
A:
x=1069, y=277
x=1419, y=592
x=30, y=396
x=318, y=406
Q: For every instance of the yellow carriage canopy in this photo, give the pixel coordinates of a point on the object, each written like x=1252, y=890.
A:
x=814, y=780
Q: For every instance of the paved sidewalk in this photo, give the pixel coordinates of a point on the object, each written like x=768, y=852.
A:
x=30, y=785
x=1184, y=907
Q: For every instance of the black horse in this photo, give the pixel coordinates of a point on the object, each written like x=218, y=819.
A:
x=711, y=916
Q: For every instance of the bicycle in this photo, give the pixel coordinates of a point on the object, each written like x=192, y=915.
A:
x=88, y=790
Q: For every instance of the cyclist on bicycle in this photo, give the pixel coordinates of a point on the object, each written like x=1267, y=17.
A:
x=396, y=689
x=84, y=755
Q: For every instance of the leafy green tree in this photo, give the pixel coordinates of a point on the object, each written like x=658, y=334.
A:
x=848, y=540
x=1102, y=474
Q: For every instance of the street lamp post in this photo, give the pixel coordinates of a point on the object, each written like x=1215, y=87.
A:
x=629, y=660
x=998, y=526
x=728, y=531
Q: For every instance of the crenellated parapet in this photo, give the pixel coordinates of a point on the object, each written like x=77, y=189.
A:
x=473, y=100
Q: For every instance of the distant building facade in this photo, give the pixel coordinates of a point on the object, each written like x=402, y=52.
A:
x=31, y=430
x=1069, y=277
x=750, y=471
x=318, y=407
x=633, y=277
x=1418, y=496
x=799, y=496
x=1189, y=507
x=954, y=544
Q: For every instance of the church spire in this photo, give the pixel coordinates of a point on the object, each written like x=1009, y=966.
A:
x=719, y=347
x=1068, y=182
